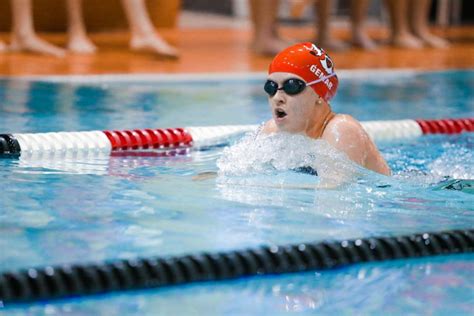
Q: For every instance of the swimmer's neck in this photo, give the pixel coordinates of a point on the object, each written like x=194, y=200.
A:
x=317, y=125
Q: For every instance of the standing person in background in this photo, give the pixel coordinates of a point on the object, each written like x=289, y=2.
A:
x=358, y=17
x=23, y=36
x=143, y=34
x=409, y=24
x=360, y=38
x=264, y=15
x=77, y=36
x=323, y=27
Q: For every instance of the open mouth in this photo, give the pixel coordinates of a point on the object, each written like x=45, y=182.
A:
x=279, y=113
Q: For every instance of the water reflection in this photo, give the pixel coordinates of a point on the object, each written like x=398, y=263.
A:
x=42, y=106
x=421, y=95
x=118, y=163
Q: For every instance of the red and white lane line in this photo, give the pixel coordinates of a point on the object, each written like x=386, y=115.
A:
x=167, y=138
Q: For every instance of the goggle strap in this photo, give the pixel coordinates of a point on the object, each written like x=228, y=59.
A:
x=320, y=79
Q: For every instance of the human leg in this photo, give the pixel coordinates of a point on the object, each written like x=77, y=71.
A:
x=400, y=34
x=358, y=17
x=265, y=30
x=419, y=24
x=298, y=7
x=77, y=35
x=323, y=15
x=144, y=36
x=24, y=37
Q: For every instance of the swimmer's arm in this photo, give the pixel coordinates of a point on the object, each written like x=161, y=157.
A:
x=204, y=176
x=323, y=185
x=348, y=136
x=334, y=177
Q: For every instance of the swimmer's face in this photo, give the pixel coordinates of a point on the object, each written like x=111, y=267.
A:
x=292, y=113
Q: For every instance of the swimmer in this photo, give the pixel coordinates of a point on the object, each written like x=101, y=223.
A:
x=301, y=81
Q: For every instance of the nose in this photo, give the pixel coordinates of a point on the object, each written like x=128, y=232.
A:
x=279, y=97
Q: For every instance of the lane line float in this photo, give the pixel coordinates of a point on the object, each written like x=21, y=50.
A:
x=39, y=284
x=168, y=138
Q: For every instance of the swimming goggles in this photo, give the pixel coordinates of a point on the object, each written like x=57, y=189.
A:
x=291, y=86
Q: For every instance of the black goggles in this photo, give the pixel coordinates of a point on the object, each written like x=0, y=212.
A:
x=291, y=86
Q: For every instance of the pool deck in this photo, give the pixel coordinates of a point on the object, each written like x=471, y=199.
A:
x=226, y=50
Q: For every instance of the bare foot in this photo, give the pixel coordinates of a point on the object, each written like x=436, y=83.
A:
x=332, y=45
x=269, y=47
x=363, y=41
x=81, y=45
x=433, y=41
x=154, y=44
x=36, y=45
x=406, y=41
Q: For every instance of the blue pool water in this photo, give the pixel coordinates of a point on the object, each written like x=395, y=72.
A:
x=94, y=208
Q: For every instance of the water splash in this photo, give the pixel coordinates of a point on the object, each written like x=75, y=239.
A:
x=434, y=160
x=256, y=155
x=455, y=162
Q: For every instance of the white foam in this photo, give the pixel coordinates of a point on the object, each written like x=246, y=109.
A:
x=269, y=154
x=455, y=162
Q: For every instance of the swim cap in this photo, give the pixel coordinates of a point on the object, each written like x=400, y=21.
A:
x=310, y=63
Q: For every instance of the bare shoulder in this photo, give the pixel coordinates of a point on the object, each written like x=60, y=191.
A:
x=348, y=135
x=269, y=127
x=343, y=125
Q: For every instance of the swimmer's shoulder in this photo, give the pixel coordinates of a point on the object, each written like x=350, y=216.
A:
x=342, y=124
x=347, y=134
x=269, y=127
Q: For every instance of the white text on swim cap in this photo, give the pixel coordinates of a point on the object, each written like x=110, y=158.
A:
x=314, y=69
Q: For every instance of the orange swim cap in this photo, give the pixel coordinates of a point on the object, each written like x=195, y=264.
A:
x=310, y=63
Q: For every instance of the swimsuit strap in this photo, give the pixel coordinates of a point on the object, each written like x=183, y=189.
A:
x=328, y=118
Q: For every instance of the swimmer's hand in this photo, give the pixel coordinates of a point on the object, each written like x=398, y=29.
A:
x=331, y=184
x=205, y=176
x=333, y=176
x=324, y=185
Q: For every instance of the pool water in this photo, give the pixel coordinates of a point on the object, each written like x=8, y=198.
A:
x=82, y=209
